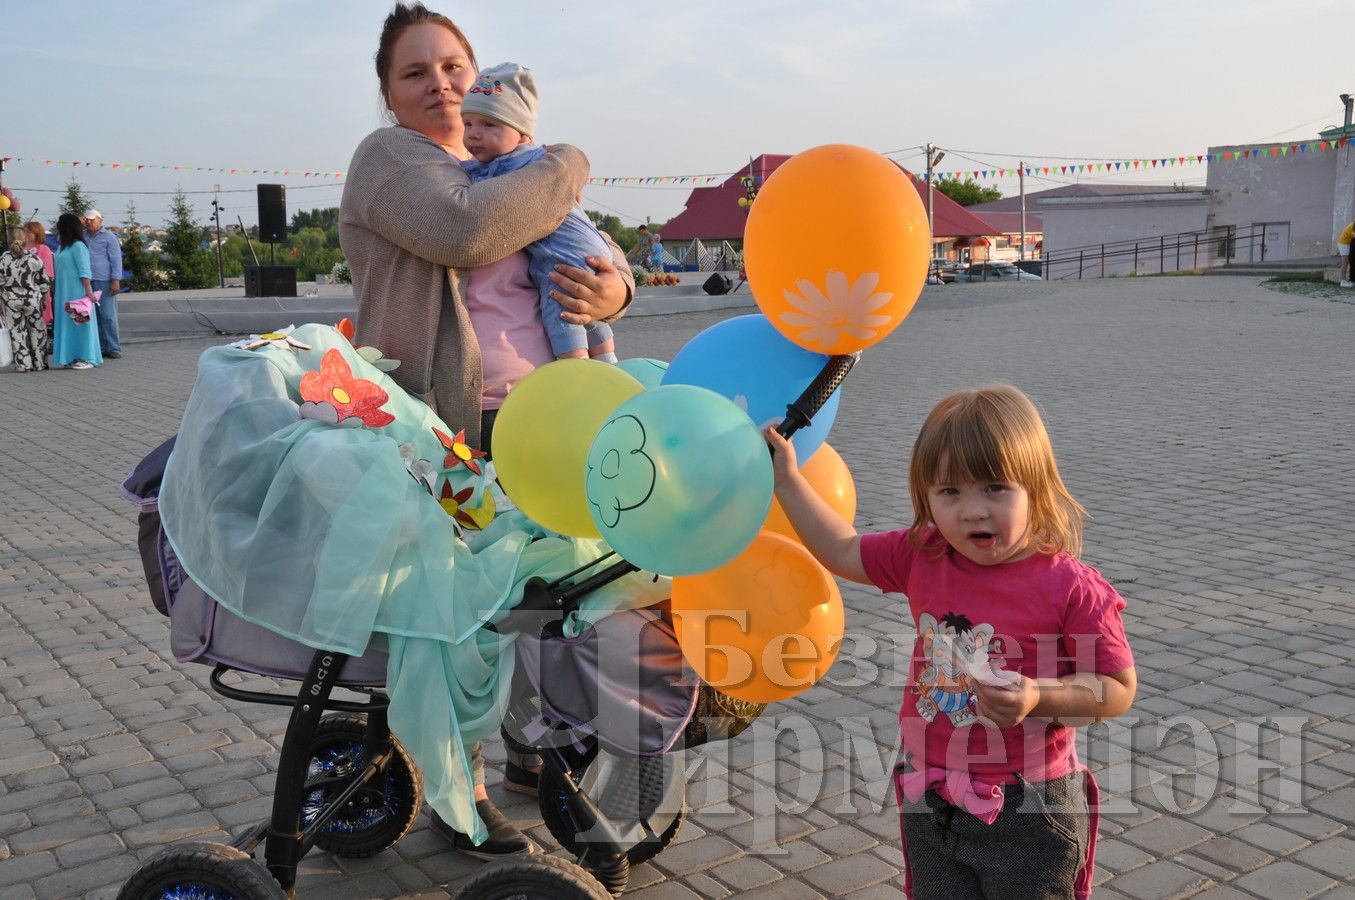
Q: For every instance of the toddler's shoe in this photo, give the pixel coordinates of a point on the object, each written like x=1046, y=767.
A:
x=1346, y=284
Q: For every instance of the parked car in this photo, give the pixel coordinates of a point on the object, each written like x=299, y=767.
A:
x=942, y=271
x=994, y=271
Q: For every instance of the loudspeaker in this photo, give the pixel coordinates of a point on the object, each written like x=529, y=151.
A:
x=719, y=283
x=270, y=281
x=273, y=213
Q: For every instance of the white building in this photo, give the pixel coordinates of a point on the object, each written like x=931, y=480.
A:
x=1260, y=203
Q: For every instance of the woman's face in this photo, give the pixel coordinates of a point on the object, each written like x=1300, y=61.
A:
x=430, y=73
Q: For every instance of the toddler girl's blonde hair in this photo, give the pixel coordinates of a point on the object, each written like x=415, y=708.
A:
x=995, y=434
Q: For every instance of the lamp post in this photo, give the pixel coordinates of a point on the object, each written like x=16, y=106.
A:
x=934, y=156
x=216, y=214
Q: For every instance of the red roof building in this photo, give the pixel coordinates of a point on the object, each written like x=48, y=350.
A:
x=714, y=213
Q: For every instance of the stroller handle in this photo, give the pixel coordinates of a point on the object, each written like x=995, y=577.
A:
x=802, y=411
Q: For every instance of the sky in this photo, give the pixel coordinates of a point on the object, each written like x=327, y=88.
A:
x=681, y=88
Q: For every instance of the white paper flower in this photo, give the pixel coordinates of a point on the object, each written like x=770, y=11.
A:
x=421, y=469
x=282, y=338
x=825, y=315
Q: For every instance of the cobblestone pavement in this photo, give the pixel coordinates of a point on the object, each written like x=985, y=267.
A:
x=1205, y=422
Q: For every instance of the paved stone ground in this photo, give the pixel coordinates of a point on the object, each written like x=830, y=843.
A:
x=1206, y=422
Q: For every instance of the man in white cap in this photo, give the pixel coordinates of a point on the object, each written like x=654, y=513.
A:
x=105, y=272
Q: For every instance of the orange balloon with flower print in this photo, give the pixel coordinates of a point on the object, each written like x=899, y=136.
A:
x=830, y=478
x=836, y=248
x=764, y=626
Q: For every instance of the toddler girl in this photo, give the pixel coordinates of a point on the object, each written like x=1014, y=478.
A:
x=1018, y=642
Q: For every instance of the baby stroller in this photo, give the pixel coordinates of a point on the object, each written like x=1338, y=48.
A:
x=345, y=784
x=604, y=723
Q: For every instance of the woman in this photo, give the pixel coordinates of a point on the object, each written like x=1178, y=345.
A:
x=438, y=268
x=24, y=284
x=36, y=242
x=76, y=343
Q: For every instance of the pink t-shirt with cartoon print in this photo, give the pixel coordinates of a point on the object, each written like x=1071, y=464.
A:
x=1043, y=616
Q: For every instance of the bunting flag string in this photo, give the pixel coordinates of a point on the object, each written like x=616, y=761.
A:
x=141, y=167
x=1247, y=153
x=1276, y=151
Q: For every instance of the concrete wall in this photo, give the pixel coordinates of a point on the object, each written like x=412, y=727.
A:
x=1121, y=221
x=1297, y=188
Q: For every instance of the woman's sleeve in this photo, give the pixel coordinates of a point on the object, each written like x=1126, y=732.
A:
x=82, y=269
x=622, y=267
x=428, y=206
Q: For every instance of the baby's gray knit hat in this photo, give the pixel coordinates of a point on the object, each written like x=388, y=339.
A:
x=505, y=93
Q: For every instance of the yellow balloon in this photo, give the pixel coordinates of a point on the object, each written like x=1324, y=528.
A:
x=4, y=202
x=836, y=248
x=543, y=433
x=762, y=627
x=830, y=478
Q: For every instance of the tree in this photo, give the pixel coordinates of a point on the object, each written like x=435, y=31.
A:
x=624, y=237
x=144, y=265
x=324, y=219
x=190, y=263
x=967, y=193
x=75, y=200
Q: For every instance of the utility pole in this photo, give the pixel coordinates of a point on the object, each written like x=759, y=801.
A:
x=934, y=156
x=1021, y=177
x=216, y=214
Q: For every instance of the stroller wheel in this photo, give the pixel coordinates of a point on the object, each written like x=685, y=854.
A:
x=643, y=796
x=374, y=818
x=534, y=878
x=206, y=871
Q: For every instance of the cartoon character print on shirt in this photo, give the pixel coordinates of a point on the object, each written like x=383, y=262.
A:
x=951, y=646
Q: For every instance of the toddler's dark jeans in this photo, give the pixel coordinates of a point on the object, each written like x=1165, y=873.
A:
x=1035, y=848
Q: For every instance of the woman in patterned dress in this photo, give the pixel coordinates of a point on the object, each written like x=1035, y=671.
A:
x=24, y=284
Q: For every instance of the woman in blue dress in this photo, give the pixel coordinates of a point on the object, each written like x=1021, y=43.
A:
x=74, y=344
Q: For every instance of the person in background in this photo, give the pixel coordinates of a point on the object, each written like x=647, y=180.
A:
x=500, y=116
x=644, y=247
x=105, y=266
x=36, y=237
x=25, y=285
x=75, y=343
x=1343, y=248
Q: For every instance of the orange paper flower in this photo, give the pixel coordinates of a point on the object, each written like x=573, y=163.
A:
x=458, y=451
x=334, y=395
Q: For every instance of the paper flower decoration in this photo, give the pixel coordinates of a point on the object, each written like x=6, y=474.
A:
x=335, y=396
x=458, y=451
x=372, y=355
x=842, y=308
x=282, y=338
x=474, y=518
x=421, y=469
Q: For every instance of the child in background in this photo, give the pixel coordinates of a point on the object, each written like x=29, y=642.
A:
x=500, y=116
x=1018, y=643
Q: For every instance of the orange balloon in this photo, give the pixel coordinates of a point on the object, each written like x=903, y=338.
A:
x=836, y=248
x=764, y=626
x=830, y=478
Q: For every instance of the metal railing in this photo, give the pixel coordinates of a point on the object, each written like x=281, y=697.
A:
x=1185, y=251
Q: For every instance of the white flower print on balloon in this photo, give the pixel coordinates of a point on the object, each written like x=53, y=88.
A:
x=841, y=307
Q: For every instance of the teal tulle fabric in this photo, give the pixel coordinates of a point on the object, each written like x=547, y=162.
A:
x=310, y=520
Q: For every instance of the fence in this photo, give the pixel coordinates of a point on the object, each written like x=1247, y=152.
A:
x=1185, y=251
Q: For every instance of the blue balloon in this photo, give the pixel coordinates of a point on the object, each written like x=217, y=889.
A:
x=747, y=360
x=648, y=372
x=679, y=480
